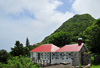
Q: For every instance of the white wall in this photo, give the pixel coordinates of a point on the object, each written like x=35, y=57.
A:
x=45, y=58
x=32, y=54
x=60, y=58
x=54, y=60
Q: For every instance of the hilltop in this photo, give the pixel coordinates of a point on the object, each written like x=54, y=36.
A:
x=74, y=26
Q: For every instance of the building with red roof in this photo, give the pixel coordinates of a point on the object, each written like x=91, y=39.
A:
x=49, y=53
x=71, y=48
x=46, y=48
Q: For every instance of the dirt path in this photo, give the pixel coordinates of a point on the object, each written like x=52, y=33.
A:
x=62, y=66
x=59, y=66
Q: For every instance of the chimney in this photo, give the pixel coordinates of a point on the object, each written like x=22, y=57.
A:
x=79, y=41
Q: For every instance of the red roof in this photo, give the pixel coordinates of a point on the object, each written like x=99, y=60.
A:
x=72, y=47
x=46, y=48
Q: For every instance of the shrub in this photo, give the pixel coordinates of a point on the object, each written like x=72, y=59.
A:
x=79, y=65
x=19, y=62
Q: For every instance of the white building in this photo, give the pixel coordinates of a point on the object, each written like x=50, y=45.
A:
x=52, y=54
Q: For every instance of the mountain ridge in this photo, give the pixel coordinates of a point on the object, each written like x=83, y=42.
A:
x=74, y=26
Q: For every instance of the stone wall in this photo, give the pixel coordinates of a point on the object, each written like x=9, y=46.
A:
x=86, y=59
x=75, y=61
x=83, y=49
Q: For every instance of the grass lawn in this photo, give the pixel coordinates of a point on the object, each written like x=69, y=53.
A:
x=95, y=64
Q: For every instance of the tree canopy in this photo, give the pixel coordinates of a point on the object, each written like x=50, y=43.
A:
x=75, y=25
x=92, y=36
x=3, y=56
x=59, y=38
x=27, y=42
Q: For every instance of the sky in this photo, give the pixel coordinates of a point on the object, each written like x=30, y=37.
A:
x=37, y=19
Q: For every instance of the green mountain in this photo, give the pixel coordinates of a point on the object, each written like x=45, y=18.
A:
x=91, y=37
x=74, y=26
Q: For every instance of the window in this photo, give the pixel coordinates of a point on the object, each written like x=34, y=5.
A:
x=53, y=55
x=66, y=55
x=41, y=55
x=48, y=55
x=56, y=55
x=62, y=55
x=71, y=55
x=44, y=55
x=37, y=55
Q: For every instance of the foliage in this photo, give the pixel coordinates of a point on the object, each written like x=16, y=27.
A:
x=18, y=49
x=59, y=38
x=3, y=56
x=19, y=62
x=94, y=64
x=27, y=49
x=79, y=65
x=27, y=42
x=74, y=26
x=91, y=37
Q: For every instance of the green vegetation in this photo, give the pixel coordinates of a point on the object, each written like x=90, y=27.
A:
x=84, y=26
x=74, y=26
x=79, y=65
x=91, y=37
x=59, y=38
x=27, y=42
x=3, y=56
x=20, y=50
x=19, y=62
x=94, y=64
x=16, y=58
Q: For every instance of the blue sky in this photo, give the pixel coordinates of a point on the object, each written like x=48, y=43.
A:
x=66, y=4
x=37, y=19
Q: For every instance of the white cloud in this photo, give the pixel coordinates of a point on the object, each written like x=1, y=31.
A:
x=16, y=24
x=37, y=19
x=87, y=6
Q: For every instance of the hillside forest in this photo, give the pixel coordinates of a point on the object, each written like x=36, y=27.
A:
x=84, y=26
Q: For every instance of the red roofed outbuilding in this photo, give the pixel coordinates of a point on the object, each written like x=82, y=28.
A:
x=50, y=53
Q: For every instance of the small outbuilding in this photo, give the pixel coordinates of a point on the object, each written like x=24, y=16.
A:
x=43, y=53
x=52, y=54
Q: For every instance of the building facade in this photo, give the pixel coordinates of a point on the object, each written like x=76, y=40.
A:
x=52, y=54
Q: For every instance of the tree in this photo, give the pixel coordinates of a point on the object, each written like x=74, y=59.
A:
x=3, y=56
x=18, y=49
x=92, y=37
x=27, y=50
x=60, y=38
x=27, y=42
x=75, y=25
